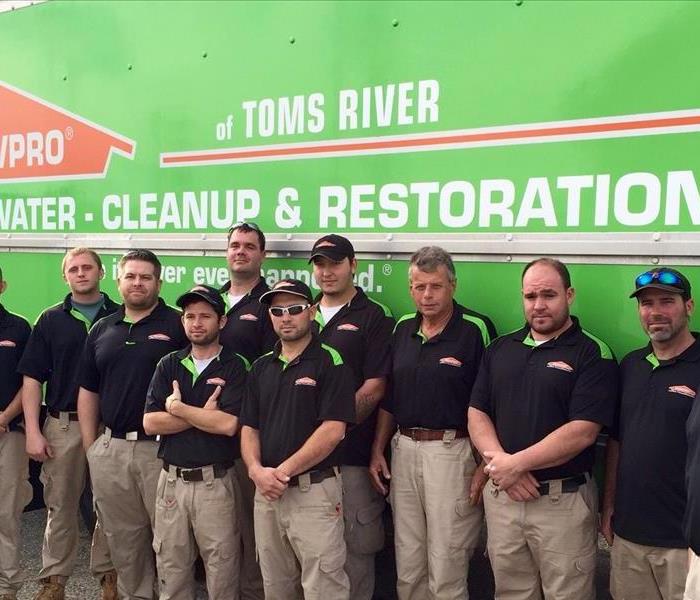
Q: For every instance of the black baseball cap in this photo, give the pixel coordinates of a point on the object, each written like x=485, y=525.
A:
x=206, y=293
x=333, y=246
x=662, y=278
x=288, y=286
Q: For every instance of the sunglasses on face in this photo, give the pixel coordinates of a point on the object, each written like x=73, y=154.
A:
x=245, y=225
x=662, y=276
x=294, y=310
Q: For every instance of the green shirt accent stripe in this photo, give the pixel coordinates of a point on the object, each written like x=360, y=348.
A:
x=651, y=357
x=335, y=355
x=482, y=327
x=605, y=351
x=404, y=318
x=384, y=307
x=188, y=363
x=246, y=362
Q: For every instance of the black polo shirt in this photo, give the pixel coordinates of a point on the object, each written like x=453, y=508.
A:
x=655, y=402
x=54, y=348
x=193, y=447
x=14, y=333
x=529, y=391
x=432, y=378
x=691, y=521
x=287, y=401
x=120, y=357
x=248, y=330
x=361, y=332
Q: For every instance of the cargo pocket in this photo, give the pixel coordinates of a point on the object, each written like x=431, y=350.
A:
x=466, y=525
x=332, y=580
x=366, y=534
x=586, y=564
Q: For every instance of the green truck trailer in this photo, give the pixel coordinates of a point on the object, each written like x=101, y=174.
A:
x=502, y=131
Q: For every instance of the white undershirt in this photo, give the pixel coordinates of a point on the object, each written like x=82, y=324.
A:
x=233, y=300
x=202, y=363
x=328, y=312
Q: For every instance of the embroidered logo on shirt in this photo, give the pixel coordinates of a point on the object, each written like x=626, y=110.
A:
x=216, y=381
x=305, y=381
x=248, y=317
x=159, y=336
x=7, y=343
x=676, y=389
x=450, y=360
x=348, y=327
x=561, y=365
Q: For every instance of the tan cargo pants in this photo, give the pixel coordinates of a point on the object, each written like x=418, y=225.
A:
x=692, y=584
x=550, y=541
x=191, y=517
x=63, y=477
x=16, y=494
x=363, y=508
x=640, y=572
x=435, y=528
x=124, y=482
x=300, y=542
x=250, y=578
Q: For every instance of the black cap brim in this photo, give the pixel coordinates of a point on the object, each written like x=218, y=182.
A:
x=658, y=286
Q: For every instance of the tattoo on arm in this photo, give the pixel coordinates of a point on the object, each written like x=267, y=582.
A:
x=364, y=405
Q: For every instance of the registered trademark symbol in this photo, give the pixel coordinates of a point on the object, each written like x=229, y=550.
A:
x=386, y=269
x=69, y=133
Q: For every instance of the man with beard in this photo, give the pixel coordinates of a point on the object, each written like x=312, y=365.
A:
x=248, y=332
x=14, y=465
x=360, y=329
x=50, y=358
x=645, y=495
x=121, y=352
x=193, y=403
x=541, y=397
x=300, y=398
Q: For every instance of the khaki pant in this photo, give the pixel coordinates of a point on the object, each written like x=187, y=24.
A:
x=640, y=572
x=192, y=516
x=435, y=528
x=124, y=482
x=363, y=508
x=692, y=584
x=16, y=494
x=550, y=541
x=250, y=578
x=300, y=543
x=63, y=477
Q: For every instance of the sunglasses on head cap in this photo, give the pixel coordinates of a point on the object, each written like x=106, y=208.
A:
x=661, y=276
x=244, y=225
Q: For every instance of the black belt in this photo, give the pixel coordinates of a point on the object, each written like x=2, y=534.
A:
x=315, y=476
x=197, y=474
x=569, y=485
x=56, y=414
x=430, y=435
x=132, y=436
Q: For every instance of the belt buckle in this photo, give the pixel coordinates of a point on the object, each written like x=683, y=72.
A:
x=132, y=436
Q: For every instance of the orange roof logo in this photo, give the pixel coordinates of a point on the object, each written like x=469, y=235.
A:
x=305, y=381
x=324, y=244
x=561, y=365
x=40, y=141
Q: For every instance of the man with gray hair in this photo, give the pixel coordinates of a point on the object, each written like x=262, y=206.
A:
x=435, y=484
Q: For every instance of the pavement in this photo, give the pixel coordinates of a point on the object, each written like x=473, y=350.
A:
x=82, y=586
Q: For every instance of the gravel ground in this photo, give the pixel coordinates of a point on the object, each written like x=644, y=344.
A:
x=82, y=586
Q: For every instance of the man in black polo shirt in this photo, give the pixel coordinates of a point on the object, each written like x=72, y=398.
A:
x=645, y=493
x=360, y=329
x=14, y=466
x=539, y=401
x=248, y=332
x=193, y=402
x=435, y=483
x=300, y=398
x=50, y=358
x=121, y=352
x=691, y=521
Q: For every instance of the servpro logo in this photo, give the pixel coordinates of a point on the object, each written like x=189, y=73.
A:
x=40, y=141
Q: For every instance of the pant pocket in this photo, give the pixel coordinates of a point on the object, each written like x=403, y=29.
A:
x=365, y=529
